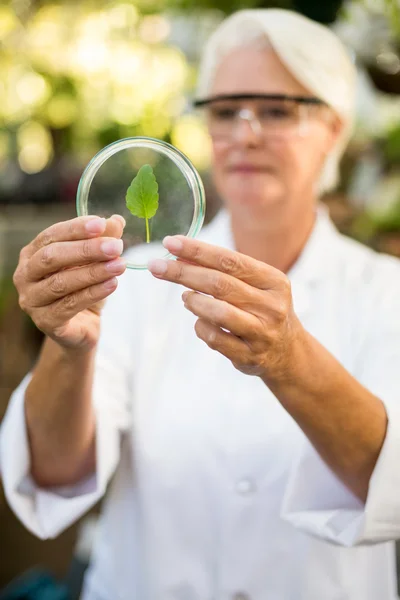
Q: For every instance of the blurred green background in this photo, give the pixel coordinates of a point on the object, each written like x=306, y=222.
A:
x=75, y=76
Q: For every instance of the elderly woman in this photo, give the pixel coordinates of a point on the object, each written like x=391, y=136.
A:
x=263, y=463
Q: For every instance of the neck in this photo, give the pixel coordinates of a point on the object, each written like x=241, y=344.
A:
x=277, y=239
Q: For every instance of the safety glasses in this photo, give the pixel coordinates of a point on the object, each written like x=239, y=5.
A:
x=268, y=115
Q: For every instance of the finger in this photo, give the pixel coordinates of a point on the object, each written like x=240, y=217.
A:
x=67, y=307
x=222, y=314
x=208, y=281
x=223, y=342
x=115, y=226
x=80, y=228
x=61, y=255
x=64, y=283
x=240, y=266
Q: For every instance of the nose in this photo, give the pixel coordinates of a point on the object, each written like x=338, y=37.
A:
x=248, y=130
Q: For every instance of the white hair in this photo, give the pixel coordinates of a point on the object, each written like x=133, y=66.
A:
x=310, y=51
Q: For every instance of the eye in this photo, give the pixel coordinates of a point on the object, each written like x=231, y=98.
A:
x=275, y=113
x=223, y=113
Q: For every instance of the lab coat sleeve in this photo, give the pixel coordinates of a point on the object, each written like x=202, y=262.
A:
x=47, y=512
x=316, y=501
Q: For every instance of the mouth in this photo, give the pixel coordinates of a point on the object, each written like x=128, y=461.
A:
x=245, y=168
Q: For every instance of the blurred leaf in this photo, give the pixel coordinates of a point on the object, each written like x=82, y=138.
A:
x=392, y=146
x=363, y=228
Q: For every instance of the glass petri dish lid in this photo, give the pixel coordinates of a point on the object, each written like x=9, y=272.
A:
x=153, y=186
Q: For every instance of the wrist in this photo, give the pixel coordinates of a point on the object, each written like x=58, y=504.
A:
x=80, y=355
x=290, y=370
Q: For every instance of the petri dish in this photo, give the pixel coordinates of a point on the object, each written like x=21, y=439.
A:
x=162, y=182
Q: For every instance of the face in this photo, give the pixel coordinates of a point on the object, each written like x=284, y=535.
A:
x=256, y=171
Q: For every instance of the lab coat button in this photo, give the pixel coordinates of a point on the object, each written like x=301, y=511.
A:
x=241, y=596
x=245, y=487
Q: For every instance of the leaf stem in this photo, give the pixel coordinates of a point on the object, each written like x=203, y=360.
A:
x=147, y=231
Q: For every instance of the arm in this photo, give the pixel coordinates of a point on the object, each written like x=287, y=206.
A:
x=344, y=421
x=246, y=313
x=51, y=471
x=60, y=417
x=63, y=277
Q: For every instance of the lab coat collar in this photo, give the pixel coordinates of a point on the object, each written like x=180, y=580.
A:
x=313, y=264
x=315, y=258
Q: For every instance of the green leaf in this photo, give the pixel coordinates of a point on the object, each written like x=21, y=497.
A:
x=142, y=196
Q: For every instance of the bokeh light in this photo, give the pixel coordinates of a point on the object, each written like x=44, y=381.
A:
x=189, y=135
x=35, y=147
x=94, y=73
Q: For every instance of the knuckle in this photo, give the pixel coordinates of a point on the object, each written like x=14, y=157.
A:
x=69, y=302
x=46, y=237
x=249, y=368
x=15, y=278
x=46, y=256
x=22, y=301
x=86, y=249
x=212, y=339
x=198, y=328
x=228, y=264
x=221, y=286
x=282, y=283
x=280, y=309
x=57, y=284
x=286, y=285
x=91, y=294
x=179, y=270
x=71, y=228
x=191, y=299
x=196, y=253
x=40, y=322
x=23, y=254
x=19, y=278
x=242, y=362
x=92, y=274
x=205, y=333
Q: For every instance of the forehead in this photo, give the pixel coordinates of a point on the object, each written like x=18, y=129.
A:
x=254, y=70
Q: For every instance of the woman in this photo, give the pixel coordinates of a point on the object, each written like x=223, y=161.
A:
x=260, y=464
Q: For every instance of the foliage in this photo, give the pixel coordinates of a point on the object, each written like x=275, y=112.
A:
x=390, y=8
x=75, y=77
x=392, y=146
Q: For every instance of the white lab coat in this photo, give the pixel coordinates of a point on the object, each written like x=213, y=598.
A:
x=217, y=493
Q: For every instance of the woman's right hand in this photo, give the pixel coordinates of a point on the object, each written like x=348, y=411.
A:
x=65, y=274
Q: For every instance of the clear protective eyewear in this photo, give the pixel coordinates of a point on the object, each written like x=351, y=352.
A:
x=268, y=115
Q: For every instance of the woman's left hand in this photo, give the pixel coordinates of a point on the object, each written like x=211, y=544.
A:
x=245, y=312
x=244, y=306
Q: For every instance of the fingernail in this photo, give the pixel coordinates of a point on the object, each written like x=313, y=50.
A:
x=172, y=244
x=185, y=296
x=158, y=266
x=117, y=266
x=112, y=247
x=120, y=218
x=96, y=225
x=110, y=284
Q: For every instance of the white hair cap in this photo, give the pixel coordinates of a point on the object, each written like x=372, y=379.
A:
x=310, y=51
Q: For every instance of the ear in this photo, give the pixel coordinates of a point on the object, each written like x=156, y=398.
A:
x=334, y=127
